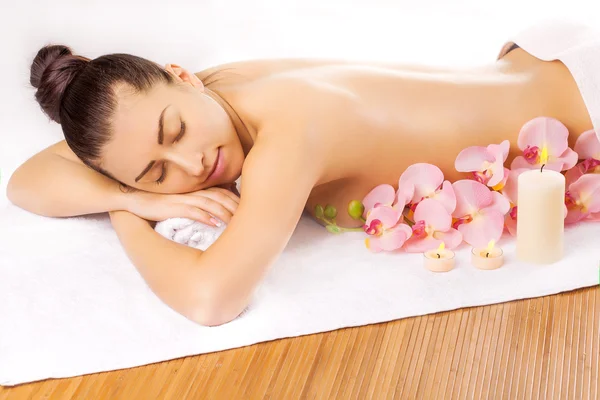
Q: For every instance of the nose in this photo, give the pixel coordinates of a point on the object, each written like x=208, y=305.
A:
x=190, y=162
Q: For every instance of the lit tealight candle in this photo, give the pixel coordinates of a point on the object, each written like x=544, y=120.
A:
x=487, y=258
x=440, y=260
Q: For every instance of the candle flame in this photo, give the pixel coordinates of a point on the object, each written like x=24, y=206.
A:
x=544, y=155
x=490, y=245
x=441, y=248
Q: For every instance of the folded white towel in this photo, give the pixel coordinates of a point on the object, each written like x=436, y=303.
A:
x=189, y=232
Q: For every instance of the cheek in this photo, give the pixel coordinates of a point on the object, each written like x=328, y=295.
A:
x=179, y=182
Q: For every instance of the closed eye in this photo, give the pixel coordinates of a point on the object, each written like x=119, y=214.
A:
x=181, y=132
x=163, y=175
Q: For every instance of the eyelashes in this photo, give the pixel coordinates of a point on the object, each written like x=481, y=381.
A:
x=181, y=132
x=162, y=177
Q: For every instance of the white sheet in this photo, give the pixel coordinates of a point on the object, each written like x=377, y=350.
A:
x=71, y=303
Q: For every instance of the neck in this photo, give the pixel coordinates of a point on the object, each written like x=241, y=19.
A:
x=246, y=133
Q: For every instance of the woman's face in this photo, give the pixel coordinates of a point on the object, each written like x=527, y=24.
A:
x=167, y=140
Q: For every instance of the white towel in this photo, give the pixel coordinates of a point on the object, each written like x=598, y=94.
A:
x=71, y=302
x=189, y=232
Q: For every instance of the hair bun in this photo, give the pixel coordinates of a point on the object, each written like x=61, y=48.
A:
x=53, y=69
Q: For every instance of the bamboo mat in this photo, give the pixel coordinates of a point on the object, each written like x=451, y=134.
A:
x=541, y=348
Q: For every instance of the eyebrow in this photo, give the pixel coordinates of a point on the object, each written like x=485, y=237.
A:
x=160, y=142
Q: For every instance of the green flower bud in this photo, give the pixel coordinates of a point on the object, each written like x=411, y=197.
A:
x=319, y=211
x=356, y=209
x=330, y=211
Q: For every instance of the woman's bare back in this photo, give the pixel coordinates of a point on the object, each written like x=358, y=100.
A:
x=368, y=123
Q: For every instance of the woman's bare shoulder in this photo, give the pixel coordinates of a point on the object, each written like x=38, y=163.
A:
x=62, y=149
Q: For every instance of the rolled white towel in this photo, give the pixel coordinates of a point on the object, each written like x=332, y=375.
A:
x=189, y=232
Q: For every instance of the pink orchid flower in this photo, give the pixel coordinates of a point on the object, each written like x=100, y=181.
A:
x=510, y=192
x=384, y=195
x=385, y=230
x=583, y=198
x=479, y=212
x=587, y=148
x=426, y=181
x=485, y=163
x=380, y=195
x=588, y=145
x=433, y=225
x=544, y=135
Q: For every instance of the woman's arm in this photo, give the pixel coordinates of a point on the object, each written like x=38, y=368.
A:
x=214, y=287
x=277, y=180
x=55, y=183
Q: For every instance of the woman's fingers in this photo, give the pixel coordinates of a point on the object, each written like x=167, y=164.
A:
x=196, y=214
x=215, y=193
x=210, y=198
x=223, y=211
x=230, y=187
x=227, y=193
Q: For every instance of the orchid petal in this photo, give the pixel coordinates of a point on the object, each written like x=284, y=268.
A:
x=572, y=175
x=383, y=194
x=568, y=158
x=391, y=239
x=588, y=145
x=497, y=170
x=434, y=214
x=446, y=196
x=511, y=225
x=421, y=245
x=510, y=188
x=485, y=227
x=587, y=191
x=499, y=203
x=499, y=151
x=426, y=178
x=594, y=216
x=575, y=215
x=471, y=196
x=544, y=132
x=451, y=238
x=404, y=194
x=502, y=183
x=520, y=162
x=472, y=159
x=387, y=215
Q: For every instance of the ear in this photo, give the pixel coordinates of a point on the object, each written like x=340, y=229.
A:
x=183, y=75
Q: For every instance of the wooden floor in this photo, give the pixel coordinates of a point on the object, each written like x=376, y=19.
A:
x=542, y=348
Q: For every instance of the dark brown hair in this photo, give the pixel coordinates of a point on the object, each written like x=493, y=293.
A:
x=79, y=94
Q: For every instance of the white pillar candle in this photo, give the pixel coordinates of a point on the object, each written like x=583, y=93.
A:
x=540, y=216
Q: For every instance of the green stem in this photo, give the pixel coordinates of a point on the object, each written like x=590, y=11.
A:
x=351, y=229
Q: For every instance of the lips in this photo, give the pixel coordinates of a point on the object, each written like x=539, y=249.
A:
x=214, y=167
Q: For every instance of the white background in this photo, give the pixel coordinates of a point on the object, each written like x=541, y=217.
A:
x=201, y=33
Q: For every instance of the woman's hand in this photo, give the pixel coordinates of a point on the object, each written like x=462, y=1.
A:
x=200, y=206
